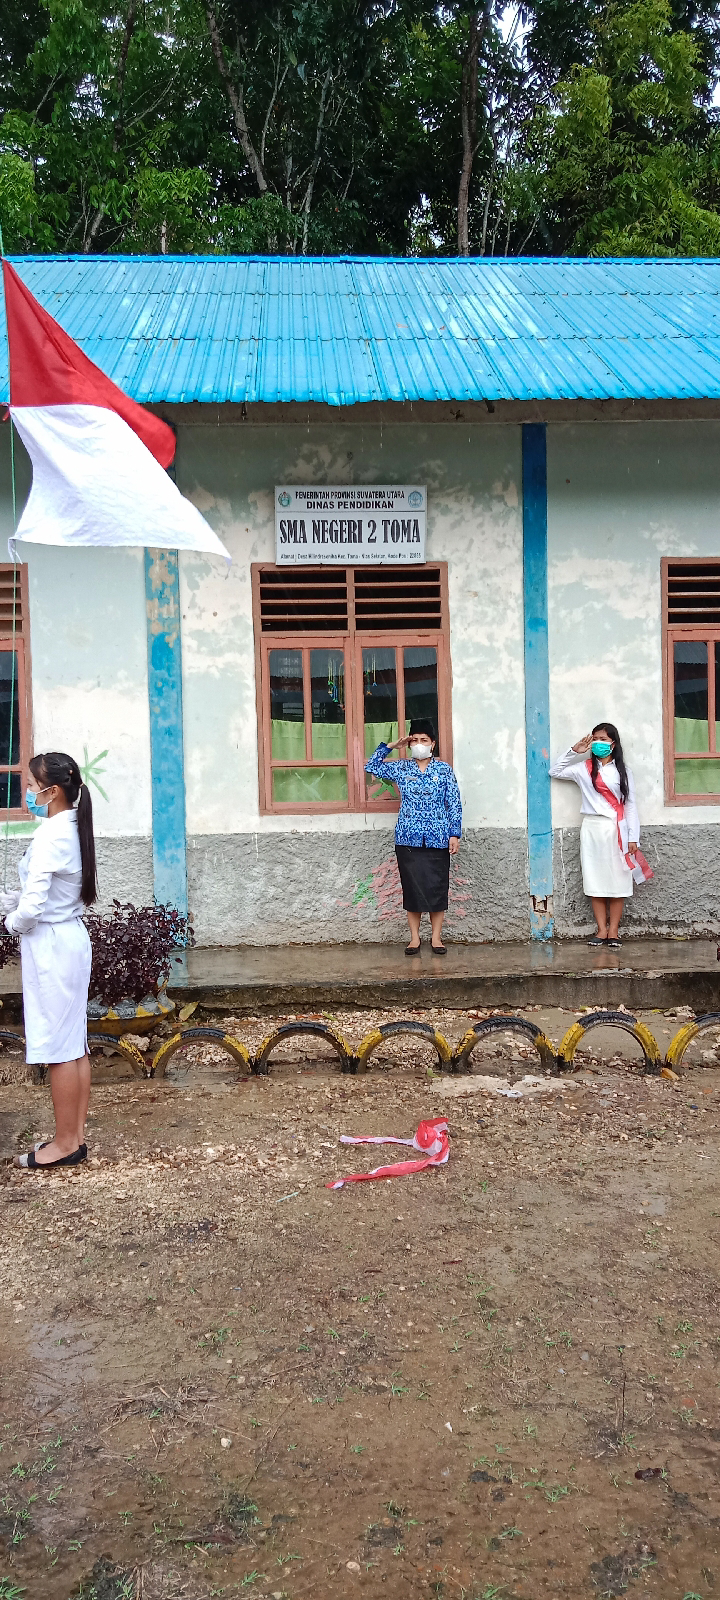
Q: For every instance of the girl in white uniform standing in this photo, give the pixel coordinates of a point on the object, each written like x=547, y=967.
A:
x=57, y=882
x=610, y=827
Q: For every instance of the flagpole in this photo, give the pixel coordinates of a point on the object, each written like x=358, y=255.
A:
x=14, y=615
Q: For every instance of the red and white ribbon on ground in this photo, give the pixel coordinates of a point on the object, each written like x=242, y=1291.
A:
x=430, y=1137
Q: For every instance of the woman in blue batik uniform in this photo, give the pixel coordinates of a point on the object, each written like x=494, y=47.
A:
x=428, y=827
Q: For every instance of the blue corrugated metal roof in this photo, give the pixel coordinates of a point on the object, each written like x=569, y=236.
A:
x=350, y=329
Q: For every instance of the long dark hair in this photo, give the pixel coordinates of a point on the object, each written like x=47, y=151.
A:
x=55, y=768
x=618, y=757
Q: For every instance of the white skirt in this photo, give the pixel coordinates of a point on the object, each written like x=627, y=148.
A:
x=56, y=960
x=605, y=872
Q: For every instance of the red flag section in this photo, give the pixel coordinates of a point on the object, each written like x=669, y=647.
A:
x=47, y=368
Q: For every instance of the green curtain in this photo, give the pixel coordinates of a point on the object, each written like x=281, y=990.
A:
x=695, y=777
x=287, y=740
x=305, y=785
x=329, y=741
x=380, y=733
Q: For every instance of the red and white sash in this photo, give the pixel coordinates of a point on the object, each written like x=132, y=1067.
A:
x=639, y=867
x=431, y=1138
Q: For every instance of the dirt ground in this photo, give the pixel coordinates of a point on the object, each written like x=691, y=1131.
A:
x=495, y=1379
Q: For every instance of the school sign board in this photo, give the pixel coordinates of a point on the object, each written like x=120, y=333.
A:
x=356, y=525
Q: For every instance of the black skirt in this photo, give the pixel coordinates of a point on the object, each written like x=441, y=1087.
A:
x=425, y=877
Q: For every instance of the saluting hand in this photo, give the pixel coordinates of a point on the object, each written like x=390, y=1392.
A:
x=400, y=742
x=583, y=744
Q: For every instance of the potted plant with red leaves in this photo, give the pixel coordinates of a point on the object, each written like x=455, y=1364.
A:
x=133, y=950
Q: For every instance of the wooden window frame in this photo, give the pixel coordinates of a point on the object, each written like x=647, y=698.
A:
x=352, y=642
x=22, y=648
x=697, y=633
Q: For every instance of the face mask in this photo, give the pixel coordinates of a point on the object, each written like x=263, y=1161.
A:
x=31, y=802
x=420, y=752
x=601, y=747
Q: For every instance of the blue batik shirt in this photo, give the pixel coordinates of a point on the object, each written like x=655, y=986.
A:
x=430, y=807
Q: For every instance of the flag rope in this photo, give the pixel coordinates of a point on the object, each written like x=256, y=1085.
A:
x=13, y=653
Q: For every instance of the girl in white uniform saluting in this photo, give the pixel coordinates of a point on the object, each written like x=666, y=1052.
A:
x=610, y=827
x=57, y=882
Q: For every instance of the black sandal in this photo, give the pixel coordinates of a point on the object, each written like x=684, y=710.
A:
x=413, y=949
x=29, y=1163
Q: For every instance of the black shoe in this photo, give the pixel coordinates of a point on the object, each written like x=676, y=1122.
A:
x=412, y=949
x=438, y=949
x=614, y=944
x=597, y=940
x=31, y=1165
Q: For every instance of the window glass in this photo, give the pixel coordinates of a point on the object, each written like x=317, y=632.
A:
x=327, y=675
x=380, y=703
x=287, y=738
x=691, y=696
x=697, y=777
x=309, y=785
x=15, y=801
x=421, y=690
x=8, y=684
x=380, y=711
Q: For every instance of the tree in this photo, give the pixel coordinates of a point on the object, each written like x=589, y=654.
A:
x=381, y=126
x=628, y=149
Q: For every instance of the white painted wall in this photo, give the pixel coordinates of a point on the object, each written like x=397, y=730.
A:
x=89, y=674
x=620, y=497
x=474, y=523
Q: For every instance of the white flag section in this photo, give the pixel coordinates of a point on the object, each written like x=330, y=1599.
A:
x=96, y=483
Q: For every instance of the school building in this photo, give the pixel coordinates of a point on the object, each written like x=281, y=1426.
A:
x=486, y=491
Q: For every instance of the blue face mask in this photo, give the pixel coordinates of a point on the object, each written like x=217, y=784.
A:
x=601, y=747
x=32, y=803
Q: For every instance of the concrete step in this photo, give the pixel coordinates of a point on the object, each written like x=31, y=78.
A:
x=644, y=974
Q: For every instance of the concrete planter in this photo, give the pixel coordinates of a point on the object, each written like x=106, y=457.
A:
x=129, y=1017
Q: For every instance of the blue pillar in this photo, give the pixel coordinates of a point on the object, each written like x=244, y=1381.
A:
x=537, y=679
x=162, y=598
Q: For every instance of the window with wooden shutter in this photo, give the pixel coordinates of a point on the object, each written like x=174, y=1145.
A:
x=691, y=681
x=15, y=707
x=345, y=658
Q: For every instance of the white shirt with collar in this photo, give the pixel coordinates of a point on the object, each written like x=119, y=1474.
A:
x=573, y=766
x=50, y=875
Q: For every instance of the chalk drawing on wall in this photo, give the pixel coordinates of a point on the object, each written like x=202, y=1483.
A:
x=382, y=892
x=91, y=771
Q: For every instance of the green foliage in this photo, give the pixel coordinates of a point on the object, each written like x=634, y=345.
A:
x=326, y=126
x=631, y=153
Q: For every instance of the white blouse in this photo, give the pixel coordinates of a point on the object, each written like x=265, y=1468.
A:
x=572, y=766
x=50, y=875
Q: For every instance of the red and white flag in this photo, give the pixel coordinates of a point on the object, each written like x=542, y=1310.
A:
x=98, y=457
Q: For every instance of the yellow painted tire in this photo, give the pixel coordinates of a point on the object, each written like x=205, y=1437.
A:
x=685, y=1036
x=122, y=1047
x=227, y=1041
x=528, y=1030
x=389, y=1030
x=610, y=1019
x=317, y=1030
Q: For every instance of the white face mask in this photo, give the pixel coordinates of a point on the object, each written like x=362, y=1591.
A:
x=420, y=752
